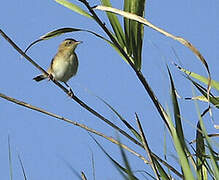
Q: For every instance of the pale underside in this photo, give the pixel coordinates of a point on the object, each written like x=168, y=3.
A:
x=63, y=70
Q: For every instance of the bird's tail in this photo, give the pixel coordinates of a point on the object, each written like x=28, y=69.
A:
x=39, y=78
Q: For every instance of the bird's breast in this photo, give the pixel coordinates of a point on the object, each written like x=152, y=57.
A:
x=64, y=67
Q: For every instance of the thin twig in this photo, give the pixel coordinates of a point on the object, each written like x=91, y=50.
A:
x=93, y=166
x=29, y=106
x=22, y=166
x=83, y=177
x=9, y=158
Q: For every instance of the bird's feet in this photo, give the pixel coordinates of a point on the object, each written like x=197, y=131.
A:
x=70, y=92
x=51, y=77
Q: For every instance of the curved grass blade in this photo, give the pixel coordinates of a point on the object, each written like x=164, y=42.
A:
x=212, y=99
x=214, y=84
x=120, y=36
x=61, y=31
x=28, y=47
x=74, y=8
x=177, y=38
x=58, y=32
x=52, y=34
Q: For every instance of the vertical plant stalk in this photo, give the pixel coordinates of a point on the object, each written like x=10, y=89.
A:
x=140, y=76
x=22, y=166
x=146, y=147
x=10, y=159
x=200, y=154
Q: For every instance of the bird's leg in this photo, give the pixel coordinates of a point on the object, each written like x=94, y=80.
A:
x=51, y=77
x=70, y=92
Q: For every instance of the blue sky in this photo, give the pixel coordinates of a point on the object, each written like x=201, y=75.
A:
x=44, y=143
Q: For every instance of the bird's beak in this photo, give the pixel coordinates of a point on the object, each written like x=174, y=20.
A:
x=79, y=42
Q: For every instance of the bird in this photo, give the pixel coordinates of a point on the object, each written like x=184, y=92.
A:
x=64, y=65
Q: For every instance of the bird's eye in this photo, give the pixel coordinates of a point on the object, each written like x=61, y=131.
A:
x=68, y=43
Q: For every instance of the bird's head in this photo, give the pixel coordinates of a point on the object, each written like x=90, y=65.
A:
x=69, y=45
